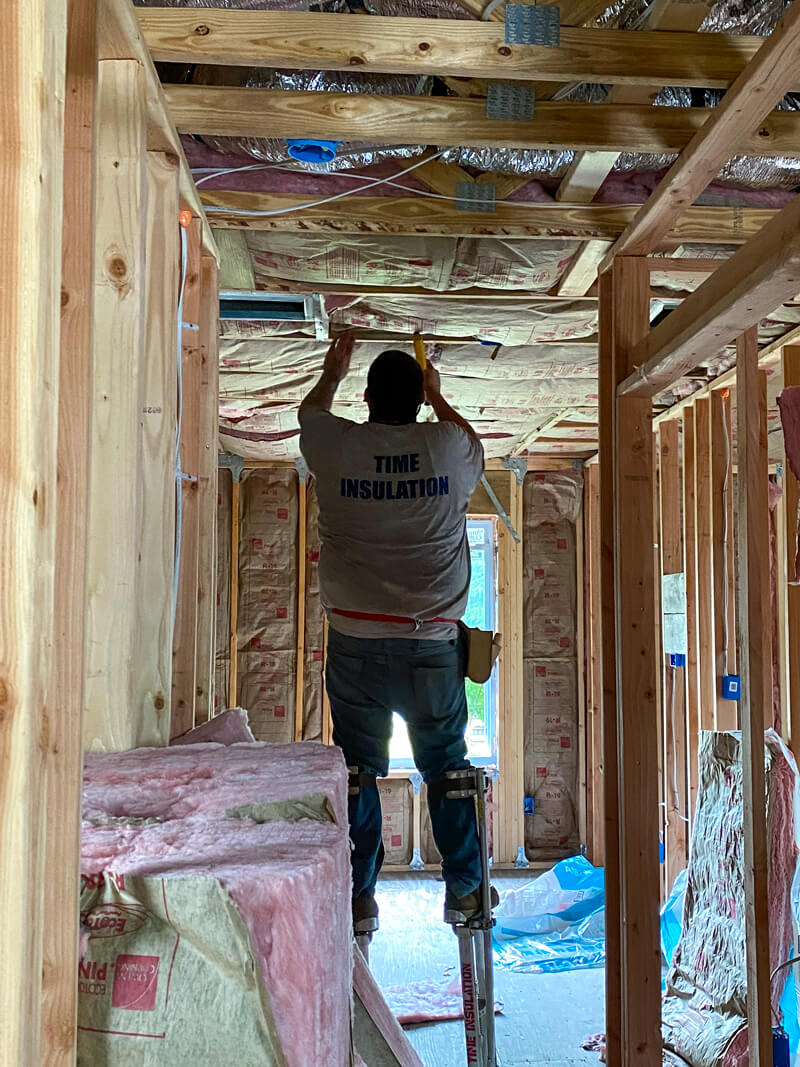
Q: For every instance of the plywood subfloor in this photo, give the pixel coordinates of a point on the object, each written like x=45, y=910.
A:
x=545, y=1017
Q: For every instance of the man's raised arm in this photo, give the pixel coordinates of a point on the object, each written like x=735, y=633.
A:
x=444, y=413
x=337, y=364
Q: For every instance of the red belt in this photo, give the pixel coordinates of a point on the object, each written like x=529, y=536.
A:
x=388, y=618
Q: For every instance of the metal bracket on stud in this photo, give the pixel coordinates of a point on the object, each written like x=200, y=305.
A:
x=416, y=781
x=231, y=462
x=301, y=467
x=416, y=861
x=515, y=103
x=517, y=464
x=476, y=196
x=533, y=24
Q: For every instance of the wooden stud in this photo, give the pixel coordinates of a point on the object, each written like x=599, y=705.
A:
x=510, y=786
x=672, y=562
x=636, y=700
x=111, y=720
x=781, y=602
x=31, y=169
x=157, y=423
x=302, y=567
x=607, y=619
x=754, y=646
x=580, y=652
x=758, y=89
x=595, y=690
x=416, y=215
x=207, y=468
x=184, y=648
x=327, y=722
x=722, y=535
x=233, y=672
x=692, y=625
x=791, y=491
x=705, y=571
x=231, y=111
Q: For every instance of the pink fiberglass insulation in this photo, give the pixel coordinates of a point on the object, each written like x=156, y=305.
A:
x=177, y=782
x=291, y=886
x=366, y=989
x=227, y=728
x=789, y=406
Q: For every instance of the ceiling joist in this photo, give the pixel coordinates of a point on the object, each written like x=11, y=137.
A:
x=445, y=47
x=410, y=215
x=439, y=120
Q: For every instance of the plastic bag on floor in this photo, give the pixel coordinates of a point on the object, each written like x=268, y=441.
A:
x=555, y=922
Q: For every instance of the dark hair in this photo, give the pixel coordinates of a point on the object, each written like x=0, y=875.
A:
x=395, y=388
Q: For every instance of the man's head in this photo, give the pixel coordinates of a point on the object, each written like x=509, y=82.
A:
x=394, y=388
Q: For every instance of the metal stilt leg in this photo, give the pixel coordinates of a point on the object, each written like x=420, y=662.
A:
x=475, y=936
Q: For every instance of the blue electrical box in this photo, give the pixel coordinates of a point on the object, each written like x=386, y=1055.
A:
x=731, y=687
x=677, y=659
x=527, y=805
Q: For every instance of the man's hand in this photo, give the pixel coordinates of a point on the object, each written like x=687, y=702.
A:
x=337, y=360
x=431, y=382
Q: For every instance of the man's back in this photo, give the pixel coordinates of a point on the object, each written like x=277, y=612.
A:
x=393, y=503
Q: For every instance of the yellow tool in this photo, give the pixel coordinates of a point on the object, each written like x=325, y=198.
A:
x=419, y=350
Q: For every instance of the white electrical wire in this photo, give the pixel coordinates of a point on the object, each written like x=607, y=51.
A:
x=725, y=634
x=676, y=800
x=178, y=471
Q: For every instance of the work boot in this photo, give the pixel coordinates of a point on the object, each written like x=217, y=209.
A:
x=460, y=910
x=365, y=914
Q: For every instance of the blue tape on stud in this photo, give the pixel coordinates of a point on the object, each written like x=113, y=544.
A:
x=527, y=805
x=731, y=687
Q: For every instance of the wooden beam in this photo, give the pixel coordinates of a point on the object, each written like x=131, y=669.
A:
x=157, y=419
x=207, y=451
x=594, y=672
x=459, y=49
x=184, y=645
x=31, y=170
x=233, y=670
x=639, y=792
x=418, y=215
x=756, y=668
x=791, y=490
x=673, y=689
x=111, y=721
x=119, y=38
x=581, y=274
x=607, y=390
x=758, y=89
x=231, y=111
x=235, y=263
x=720, y=459
x=64, y=748
x=705, y=578
x=692, y=622
x=302, y=567
x=744, y=289
x=290, y=285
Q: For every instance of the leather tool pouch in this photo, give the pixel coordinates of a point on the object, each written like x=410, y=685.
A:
x=482, y=648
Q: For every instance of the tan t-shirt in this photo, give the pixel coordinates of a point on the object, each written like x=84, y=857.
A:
x=392, y=520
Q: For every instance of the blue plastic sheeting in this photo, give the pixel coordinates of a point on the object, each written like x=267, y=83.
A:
x=555, y=922
x=672, y=917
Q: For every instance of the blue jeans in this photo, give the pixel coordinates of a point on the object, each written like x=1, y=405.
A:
x=367, y=680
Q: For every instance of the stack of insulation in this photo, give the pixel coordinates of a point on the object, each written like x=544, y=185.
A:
x=216, y=883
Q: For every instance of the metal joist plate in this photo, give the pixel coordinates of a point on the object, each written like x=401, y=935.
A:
x=476, y=196
x=533, y=24
x=505, y=100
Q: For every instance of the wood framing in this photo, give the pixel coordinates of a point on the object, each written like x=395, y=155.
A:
x=637, y=709
x=756, y=668
x=64, y=747
x=233, y=646
x=758, y=89
x=157, y=419
x=418, y=215
x=184, y=647
x=510, y=786
x=461, y=49
x=230, y=111
x=594, y=686
x=791, y=490
x=111, y=721
x=208, y=421
x=302, y=569
x=673, y=685
x=692, y=616
x=32, y=79
x=742, y=290
x=705, y=578
x=720, y=459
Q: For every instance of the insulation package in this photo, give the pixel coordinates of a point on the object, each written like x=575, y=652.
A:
x=704, y=1016
x=551, y=509
x=214, y=907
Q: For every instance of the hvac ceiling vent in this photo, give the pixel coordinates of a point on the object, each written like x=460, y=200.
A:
x=261, y=307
